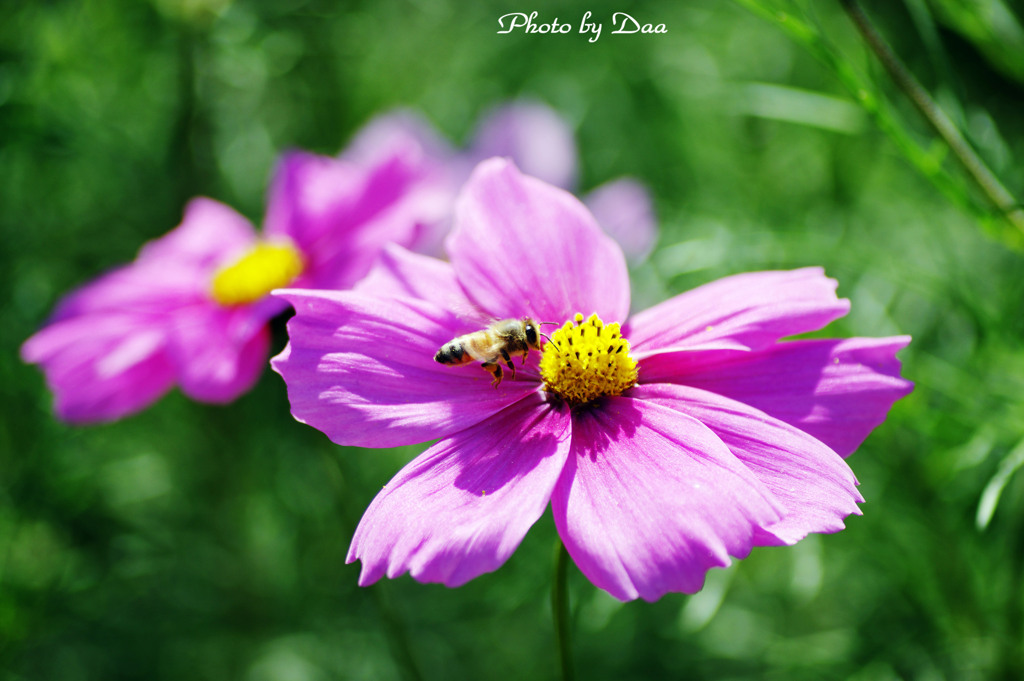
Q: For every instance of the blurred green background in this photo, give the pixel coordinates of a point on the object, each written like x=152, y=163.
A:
x=208, y=543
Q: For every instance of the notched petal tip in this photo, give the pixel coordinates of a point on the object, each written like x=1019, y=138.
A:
x=755, y=309
x=651, y=499
x=553, y=259
x=280, y=359
x=461, y=508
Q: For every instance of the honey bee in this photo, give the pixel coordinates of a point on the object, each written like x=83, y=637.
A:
x=498, y=343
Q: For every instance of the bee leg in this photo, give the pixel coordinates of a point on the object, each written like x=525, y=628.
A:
x=494, y=370
x=508, y=362
x=525, y=355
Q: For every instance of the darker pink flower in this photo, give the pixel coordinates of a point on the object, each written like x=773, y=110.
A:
x=192, y=309
x=664, y=443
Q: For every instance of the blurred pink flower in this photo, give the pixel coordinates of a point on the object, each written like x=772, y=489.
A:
x=688, y=435
x=192, y=309
x=541, y=144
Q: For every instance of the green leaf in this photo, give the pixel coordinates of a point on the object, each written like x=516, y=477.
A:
x=994, y=489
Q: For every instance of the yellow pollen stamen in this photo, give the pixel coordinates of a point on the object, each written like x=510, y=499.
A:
x=263, y=268
x=587, y=360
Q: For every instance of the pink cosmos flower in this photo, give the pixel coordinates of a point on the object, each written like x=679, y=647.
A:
x=664, y=443
x=192, y=309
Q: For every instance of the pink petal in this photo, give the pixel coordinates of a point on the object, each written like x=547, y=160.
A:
x=104, y=351
x=522, y=247
x=461, y=508
x=812, y=482
x=132, y=289
x=624, y=209
x=439, y=170
x=838, y=391
x=309, y=197
x=171, y=271
x=219, y=353
x=361, y=369
x=751, y=310
x=399, y=272
x=651, y=499
x=340, y=215
x=209, y=235
x=534, y=136
x=399, y=131
x=101, y=367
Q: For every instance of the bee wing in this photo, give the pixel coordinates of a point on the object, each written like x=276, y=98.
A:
x=473, y=317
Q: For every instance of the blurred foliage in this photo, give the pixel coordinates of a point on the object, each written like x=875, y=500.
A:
x=992, y=27
x=209, y=542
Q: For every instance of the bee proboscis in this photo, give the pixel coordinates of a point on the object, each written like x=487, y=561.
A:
x=497, y=344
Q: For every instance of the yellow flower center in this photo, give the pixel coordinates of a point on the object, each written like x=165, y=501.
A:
x=587, y=360
x=265, y=267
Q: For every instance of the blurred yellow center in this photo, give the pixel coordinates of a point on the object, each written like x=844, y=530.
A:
x=587, y=360
x=257, y=273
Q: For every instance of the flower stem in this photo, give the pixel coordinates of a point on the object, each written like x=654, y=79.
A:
x=395, y=632
x=560, y=611
x=990, y=185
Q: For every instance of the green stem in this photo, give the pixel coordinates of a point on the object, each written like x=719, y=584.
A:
x=990, y=185
x=560, y=611
x=395, y=631
x=924, y=160
x=927, y=161
x=190, y=151
x=397, y=636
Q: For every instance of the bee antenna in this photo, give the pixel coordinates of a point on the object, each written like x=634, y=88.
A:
x=551, y=323
x=544, y=335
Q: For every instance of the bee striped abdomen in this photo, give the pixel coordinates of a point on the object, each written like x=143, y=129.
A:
x=453, y=353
